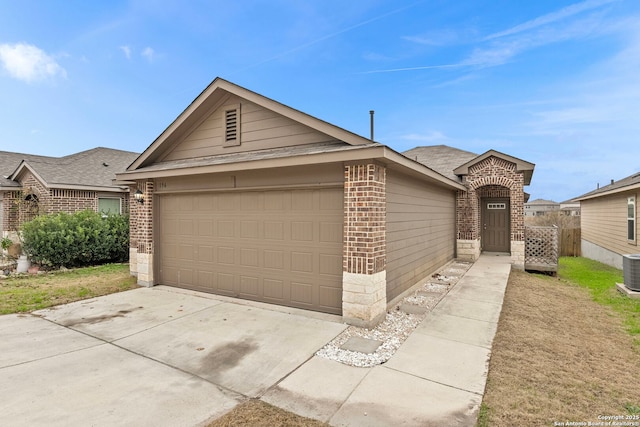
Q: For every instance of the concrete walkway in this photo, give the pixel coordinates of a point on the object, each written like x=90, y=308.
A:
x=168, y=357
x=437, y=377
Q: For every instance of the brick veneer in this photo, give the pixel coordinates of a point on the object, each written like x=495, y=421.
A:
x=50, y=201
x=141, y=233
x=493, y=177
x=364, y=295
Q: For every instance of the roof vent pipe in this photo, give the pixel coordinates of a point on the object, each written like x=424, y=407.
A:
x=612, y=181
x=371, y=113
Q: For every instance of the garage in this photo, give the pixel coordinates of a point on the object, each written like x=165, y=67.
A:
x=278, y=246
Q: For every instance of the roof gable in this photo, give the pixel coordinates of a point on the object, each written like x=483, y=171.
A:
x=202, y=113
x=255, y=128
x=521, y=165
x=95, y=168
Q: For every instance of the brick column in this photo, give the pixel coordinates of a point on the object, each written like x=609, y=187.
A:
x=364, y=278
x=144, y=234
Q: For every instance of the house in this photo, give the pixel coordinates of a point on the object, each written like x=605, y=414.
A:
x=609, y=221
x=31, y=185
x=246, y=197
x=570, y=207
x=540, y=207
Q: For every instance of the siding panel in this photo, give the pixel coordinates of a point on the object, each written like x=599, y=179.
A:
x=260, y=129
x=420, y=231
x=604, y=222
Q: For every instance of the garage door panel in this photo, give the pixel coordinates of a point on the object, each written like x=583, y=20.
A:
x=226, y=255
x=302, y=293
x=274, y=290
x=249, y=229
x=281, y=246
x=331, y=232
x=249, y=257
x=250, y=286
x=302, y=262
x=274, y=259
x=274, y=230
x=330, y=264
x=302, y=200
x=302, y=231
x=329, y=296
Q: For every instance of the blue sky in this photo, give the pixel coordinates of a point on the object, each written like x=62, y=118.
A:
x=556, y=83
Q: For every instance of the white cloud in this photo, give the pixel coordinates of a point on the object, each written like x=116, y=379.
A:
x=148, y=53
x=126, y=50
x=29, y=63
x=549, y=18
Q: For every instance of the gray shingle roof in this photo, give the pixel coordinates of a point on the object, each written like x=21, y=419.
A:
x=542, y=202
x=272, y=153
x=96, y=167
x=441, y=158
x=9, y=162
x=620, y=184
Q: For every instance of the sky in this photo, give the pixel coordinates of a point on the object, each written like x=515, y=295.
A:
x=552, y=82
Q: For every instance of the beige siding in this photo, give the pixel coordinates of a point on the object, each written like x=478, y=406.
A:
x=420, y=230
x=260, y=129
x=604, y=222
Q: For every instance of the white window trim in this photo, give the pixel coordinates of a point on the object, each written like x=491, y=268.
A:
x=631, y=202
x=119, y=199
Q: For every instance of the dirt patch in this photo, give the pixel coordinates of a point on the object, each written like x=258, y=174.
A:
x=557, y=357
x=260, y=414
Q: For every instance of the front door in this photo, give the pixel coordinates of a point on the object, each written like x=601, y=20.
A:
x=495, y=225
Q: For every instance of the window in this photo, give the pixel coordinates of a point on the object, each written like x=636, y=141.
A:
x=496, y=205
x=231, y=120
x=631, y=218
x=108, y=206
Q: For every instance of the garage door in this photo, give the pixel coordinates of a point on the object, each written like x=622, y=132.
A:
x=281, y=247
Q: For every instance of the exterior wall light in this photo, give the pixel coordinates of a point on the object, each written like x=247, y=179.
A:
x=139, y=196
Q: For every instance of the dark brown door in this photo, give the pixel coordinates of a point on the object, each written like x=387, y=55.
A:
x=495, y=225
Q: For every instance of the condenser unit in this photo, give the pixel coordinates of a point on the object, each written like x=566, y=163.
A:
x=631, y=270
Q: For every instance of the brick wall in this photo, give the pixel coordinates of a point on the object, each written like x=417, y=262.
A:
x=364, y=219
x=71, y=201
x=17, y=210
x=142, y=218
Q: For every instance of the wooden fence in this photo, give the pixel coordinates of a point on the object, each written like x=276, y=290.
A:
x=570, y=242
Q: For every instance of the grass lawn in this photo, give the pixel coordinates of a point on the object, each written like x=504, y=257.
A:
x=34, y=292
x=566, y=349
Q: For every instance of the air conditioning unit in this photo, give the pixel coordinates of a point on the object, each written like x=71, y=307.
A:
x=631, y=270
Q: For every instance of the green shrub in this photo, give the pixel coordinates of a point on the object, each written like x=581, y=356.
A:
x=74, y=240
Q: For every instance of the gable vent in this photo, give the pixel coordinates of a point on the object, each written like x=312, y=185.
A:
x=232, y=125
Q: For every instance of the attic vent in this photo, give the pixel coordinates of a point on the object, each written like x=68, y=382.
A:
x=232, y=125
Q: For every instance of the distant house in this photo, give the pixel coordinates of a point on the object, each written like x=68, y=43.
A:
x=540, y=207
x=32, y=185
x=246, y=197
x=609, y=221
x=570, y=207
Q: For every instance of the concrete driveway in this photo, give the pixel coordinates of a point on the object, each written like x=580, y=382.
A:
x=149, y=357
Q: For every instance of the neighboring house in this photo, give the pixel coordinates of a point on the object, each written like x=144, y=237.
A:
x=32, y=185
x=570, y=207
x=609, y=221
x=540, y=207
x=246, y=197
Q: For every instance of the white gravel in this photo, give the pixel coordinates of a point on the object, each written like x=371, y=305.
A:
x=397, y=326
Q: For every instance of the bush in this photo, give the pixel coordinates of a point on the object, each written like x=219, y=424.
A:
x=75, y=240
